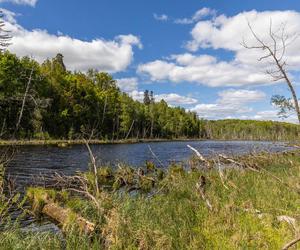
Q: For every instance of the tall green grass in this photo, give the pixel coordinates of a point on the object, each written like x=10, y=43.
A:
x=245, y=212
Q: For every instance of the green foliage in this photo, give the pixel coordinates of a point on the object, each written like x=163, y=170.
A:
x=285, y=105
x=250, y=130
x=63, y=104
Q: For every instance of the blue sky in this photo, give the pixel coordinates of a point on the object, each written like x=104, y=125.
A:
x=187, y=52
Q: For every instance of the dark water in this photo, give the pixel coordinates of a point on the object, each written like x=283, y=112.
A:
x=30, y=161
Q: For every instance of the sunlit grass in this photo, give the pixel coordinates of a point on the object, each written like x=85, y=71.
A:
x=245, y=212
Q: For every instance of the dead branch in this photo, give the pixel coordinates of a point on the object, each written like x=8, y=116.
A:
x=273, y=50
x=201, y=157
x=93, y=161
x=77, y=184
x=155, y=156
x=221, y=174
x=291, y=243
x=200, y=186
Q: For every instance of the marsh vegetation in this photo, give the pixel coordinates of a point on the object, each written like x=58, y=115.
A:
x=253, y=203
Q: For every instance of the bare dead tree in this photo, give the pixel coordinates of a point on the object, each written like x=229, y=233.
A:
x=24, y=99
x=275, y=50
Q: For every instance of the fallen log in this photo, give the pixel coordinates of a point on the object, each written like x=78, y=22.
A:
x=63, y=216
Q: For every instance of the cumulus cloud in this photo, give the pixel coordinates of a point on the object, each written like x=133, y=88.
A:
x=21, y=2
x=230, y=103
x=240, y=96
x=127, y=84
x=9, y=16
x=270, y=115
x=171, y=98
x=175, y=99
x=111, y=56
x=200, y=14
x=162, y=17
x=227, y=33
x=137, y=95
x=219, y=111
x=203, y=69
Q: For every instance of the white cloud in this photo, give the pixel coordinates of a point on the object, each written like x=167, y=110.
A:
x=171, y=98
x=230, y=103
x=175, y=99
x=227, y=33
x=219, y=111
x=112, y=56
x=241, y=96
x=200, y=14
x=127, y=84
x=203, y=69
x=21, y=2
x=9, y=16
x=137, y=95
x=270, y=115
x=162, y=17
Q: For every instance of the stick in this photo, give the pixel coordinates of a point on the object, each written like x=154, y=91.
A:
x=291, y=243
x=155, y=156
x=201, y=188
x=199, y=155
x=93, y=160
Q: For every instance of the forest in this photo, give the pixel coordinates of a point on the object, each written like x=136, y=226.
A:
x=47, y=101
x=64, y=104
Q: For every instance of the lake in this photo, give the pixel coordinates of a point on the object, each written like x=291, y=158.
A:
x=30, y=161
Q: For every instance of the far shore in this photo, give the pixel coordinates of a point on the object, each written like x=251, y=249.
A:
x=66, y=143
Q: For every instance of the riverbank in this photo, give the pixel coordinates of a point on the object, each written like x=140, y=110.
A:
x=65, y=143
x=254, y=204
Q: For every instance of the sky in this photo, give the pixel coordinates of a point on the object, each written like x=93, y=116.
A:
x=188, y=52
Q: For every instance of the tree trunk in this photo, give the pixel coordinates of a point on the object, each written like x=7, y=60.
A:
x=289, y=83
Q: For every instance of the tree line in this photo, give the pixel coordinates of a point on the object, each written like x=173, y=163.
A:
x=233, y=129
x=60, y=104
x=64, y=104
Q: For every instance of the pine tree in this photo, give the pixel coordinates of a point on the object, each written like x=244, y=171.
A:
x=147, y=100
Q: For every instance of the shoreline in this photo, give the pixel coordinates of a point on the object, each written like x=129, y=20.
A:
x=62, y=143
x=65, y=143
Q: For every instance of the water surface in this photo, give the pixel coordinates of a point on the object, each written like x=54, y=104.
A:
x=30, y=161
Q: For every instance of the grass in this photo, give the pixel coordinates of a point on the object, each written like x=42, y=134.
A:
x=244, y=216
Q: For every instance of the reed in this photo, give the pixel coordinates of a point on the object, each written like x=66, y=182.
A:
x=254, y=205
